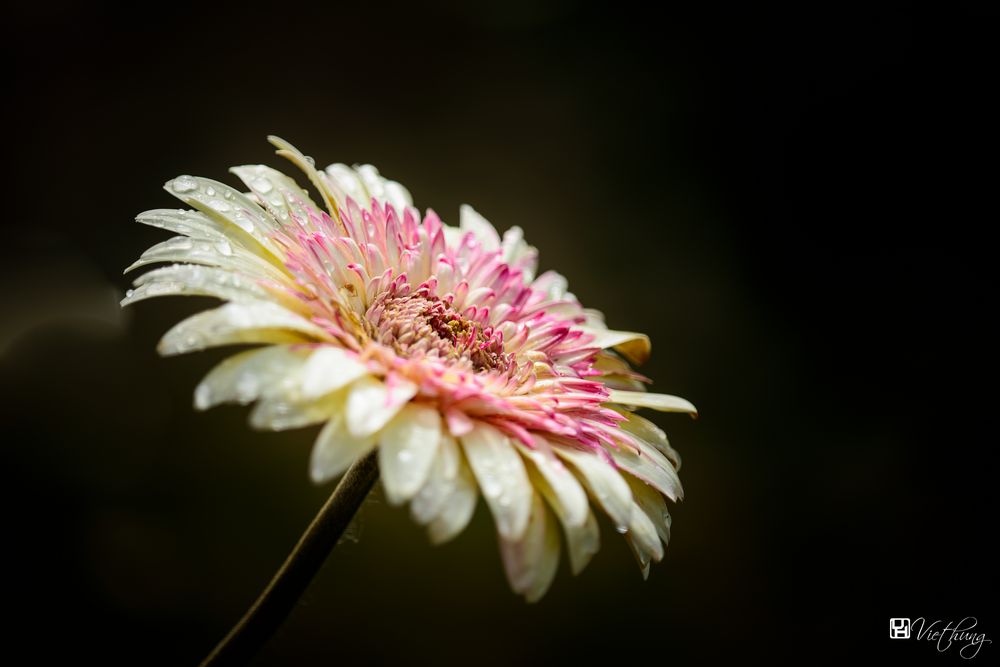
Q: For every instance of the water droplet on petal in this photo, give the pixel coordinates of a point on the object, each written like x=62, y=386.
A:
x=184, y=184
x=622, y=529
x=129, y=293
x=210, y=191
x=223, y=247
x=261, y=185
x=219, y=205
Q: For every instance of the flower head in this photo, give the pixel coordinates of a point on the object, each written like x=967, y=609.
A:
x=437, y=345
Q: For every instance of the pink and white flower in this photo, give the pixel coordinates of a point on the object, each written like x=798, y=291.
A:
x=438, y=345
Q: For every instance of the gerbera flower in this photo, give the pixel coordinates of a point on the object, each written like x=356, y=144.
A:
x=437, y=345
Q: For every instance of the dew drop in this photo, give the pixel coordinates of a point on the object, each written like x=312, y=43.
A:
x=129, y=293
x=184, y=184
x=210, y=191
x=223, y=247
x=621, y=529
x=219, y=205
x=261, y=185
x=404, y=456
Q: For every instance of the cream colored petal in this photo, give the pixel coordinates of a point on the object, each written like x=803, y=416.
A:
x=328, y=369
x=221, y=254
x=644, y=540
x=191, y=280
x=280, y=412
x=336, y=449
x=552, y=284
x=247, y=376
x=501, y=475
x=260, y=322
x=230, y=207
x=371, y=403
x=661, y=402
x=470, y=221
x=290, y=152
x=194, y=224
x=440, y=484
x=278, y=192
x=650, y=466
x=570, y=496
x=604, y=482
x=647, y=431
x=531, y=561
x=457, y=509
x=634, y=346
x=582, y=543
x=516, y=252
x=407, y=446
x=653, y=504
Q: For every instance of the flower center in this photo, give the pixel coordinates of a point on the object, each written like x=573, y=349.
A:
x=417, y=325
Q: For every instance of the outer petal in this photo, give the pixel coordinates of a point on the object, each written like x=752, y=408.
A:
x=188, y=279
x=564, y=489
x=440, y=484
x=407, y=446
x=661, y=402
x=336, y=449
x=604, y=483
x=247, y=376
x=328, y=369
x=457, y=509
x=653, y=505
x=648, y=432
x=470, y=221
x=650, y=466
x=634, y=346
x=502, y=477
x=372, y=403
x=531, y=561
x=259, y=322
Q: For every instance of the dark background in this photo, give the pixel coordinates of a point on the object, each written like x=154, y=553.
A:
x=794, y=204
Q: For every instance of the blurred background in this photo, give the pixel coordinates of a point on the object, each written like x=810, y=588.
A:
x=794, y=204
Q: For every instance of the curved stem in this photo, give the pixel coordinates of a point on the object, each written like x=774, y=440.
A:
x=270, y=610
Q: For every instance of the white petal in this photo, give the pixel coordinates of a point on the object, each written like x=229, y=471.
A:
x=286, y=150
x=643, y=539
x=188, y=279
x=552, y=284
x=440, y=484
x=501, y=475
x=194, y=224
x=604, y=482
x=470, y=221
x=653, y=504
x=328, y=369
x=530, y=562
x=279, y=193
x=230, y=207
x=247, y=376
x=661, y=402
x=260, y=322
x=221, y=254
x=633, y=345
x=563, y=489
x=372, y=403
x=336, y=449
x=457, y=509
x=517, y=253
x=650, y=466
x=582, y=542
x=648, y=432
x=407, y=446
x=284, y=411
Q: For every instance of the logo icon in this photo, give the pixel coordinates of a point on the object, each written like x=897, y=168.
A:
x=899, y=628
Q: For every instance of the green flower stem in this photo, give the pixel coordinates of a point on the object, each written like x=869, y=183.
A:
x=274, y=605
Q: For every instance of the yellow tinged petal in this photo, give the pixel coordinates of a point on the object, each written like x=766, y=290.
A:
x=661, y=402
